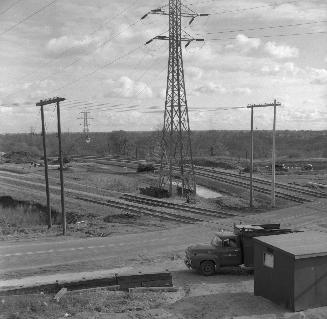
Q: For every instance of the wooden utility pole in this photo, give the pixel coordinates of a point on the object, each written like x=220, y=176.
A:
x=64, y=224
x=275, y=104
x=273, y=160
x=56, y=100
x=251, y=161
x=47, y=190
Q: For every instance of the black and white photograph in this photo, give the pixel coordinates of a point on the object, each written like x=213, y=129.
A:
x=163, y=159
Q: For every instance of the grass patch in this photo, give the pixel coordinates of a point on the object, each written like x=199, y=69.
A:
x=18, y=215
x=121, y=218
x=86, y=304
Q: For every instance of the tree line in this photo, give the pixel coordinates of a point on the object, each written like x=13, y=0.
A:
x=146, y=145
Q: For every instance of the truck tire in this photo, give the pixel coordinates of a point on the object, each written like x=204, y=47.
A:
x=207, y=268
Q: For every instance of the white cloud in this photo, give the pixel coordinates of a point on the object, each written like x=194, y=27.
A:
x=242, y=91
x=194, y=72
x=244, y=43
x=318, y=76
x=200, y=55
x=281, y=51
x=283, y=69
x=210, y=88
x=301, y=10
x=127, y=88
x=71, y=46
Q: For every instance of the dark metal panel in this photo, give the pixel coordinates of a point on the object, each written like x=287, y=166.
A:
x=275, y=284
x=310, y=283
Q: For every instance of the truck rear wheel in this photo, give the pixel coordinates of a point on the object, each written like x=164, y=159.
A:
x=207, y=268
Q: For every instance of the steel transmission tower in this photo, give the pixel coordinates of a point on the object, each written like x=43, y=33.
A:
x=86, y=125
x=176, y=150
x=85, y=119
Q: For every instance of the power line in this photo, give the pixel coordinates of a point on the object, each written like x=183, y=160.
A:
x=271, y=36
x=90, y=106
x=100, y=46
x=91, y=73
x=116, y=16
x=81, y=104
x=253, y=8
x=8, y=8
x=45, y=78
x=27, y=18
x=267, y=27
x=102, y=67
x=78, y=104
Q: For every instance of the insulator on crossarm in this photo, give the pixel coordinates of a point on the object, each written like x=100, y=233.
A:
x=188, y=43
x=147, y=42
x=191, y=21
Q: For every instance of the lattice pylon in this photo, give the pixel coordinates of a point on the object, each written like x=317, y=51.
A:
x=176, y=150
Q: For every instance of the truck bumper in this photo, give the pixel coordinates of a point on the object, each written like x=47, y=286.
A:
x=188, y=264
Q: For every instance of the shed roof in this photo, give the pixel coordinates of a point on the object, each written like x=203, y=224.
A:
x=300, y=245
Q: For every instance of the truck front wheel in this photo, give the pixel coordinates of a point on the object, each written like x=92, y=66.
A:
x=207, y=268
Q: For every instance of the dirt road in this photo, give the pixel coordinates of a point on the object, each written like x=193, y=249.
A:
x=84, y=254
x=45, y=257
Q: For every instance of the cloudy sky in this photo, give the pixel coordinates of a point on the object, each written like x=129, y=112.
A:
x=93, y=54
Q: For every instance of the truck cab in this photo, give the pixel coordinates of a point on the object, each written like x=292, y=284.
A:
x=224, y=250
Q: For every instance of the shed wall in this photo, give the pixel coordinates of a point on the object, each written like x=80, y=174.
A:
x=310, y=286
x=275, y=284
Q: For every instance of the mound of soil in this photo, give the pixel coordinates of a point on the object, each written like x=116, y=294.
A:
x=19, y=157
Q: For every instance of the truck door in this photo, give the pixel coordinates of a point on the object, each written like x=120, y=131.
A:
x=231, y=254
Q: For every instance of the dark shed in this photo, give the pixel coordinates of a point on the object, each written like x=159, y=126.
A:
x=291, y=269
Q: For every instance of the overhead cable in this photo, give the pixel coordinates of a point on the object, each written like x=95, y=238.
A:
x=27, y=18
x=100, y=68
x=270, y=36
x=8, y=8
x=268, y=27
x=253, y=8
x=116, y=16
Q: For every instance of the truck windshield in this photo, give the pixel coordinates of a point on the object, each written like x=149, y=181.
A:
x=216, y=242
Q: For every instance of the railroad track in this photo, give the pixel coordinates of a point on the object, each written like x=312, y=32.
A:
x=176, y=206
x=180, y=213
x=293, y=188
x=257, y=188
x=138, y=210
x=294, y=193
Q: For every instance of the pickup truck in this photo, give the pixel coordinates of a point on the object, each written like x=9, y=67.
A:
x=228, y=249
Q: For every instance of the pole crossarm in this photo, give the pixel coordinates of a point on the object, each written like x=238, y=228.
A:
x=263, y=105
x=183, y=39
x=50, y=101
x=190, y=14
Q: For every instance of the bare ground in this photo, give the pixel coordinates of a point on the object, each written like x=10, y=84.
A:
x=225, y=295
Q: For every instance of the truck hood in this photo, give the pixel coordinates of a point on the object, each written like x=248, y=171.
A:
x=200, y=248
